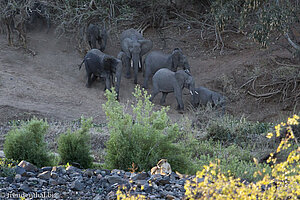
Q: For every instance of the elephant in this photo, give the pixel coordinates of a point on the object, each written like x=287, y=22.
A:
x=121, y=56
x=39, y=13
x=99, y=64
x=156, y=60
x=166, y=81
x=203, y=96
x=134, y=46
x=95, y=33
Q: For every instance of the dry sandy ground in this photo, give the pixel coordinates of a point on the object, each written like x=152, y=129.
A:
x=50, y=85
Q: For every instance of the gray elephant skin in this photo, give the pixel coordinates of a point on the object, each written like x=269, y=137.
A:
x=156, y=60
x=38, y=13
x=134, y=46
x=167, y=81
x=99, y=64
x=97, y=34
x=203, y=96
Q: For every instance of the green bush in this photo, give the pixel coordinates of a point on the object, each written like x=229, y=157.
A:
x=6, y=167
x=28, y=143
x=230, y=130
x=75, y=146
x=143, y=137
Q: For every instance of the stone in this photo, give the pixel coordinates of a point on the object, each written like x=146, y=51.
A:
x=28, y=166
x=24, y=187
x=46, y=169
x=72, y=169
x=45, y=175
x=18, y=177
x=30, y=174
x=140, y=176
x=115, y=179
x=77, y=185
x=53, y=182
x=20, y=170
x=88, y=173
x=54, y=175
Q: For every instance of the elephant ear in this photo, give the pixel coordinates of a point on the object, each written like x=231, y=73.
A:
x=146, y=46
x=126, y=45
x=110, y=64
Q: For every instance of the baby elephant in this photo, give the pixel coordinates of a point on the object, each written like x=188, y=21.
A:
x=94, y=33
x=166, y=81
x=99, y=64
x=203, y=96
x=156, y=60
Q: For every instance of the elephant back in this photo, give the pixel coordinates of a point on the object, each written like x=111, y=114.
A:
x=132, y=34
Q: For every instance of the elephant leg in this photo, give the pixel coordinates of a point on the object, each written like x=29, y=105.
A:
x=154, y=93
x=89, y=79
x=178, y=96
x=127, y=66
x=93, y=42
x=136, y=70
x=94, y=77
x=107, y=82
x=163, y=98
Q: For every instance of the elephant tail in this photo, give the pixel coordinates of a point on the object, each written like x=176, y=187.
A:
x=81, y=64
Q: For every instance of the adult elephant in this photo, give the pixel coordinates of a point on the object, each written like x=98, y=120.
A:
x=167, y=81
x=134, y=46
x=203, y=96
x=95, y=33
x=156, y=60
x=99, y=64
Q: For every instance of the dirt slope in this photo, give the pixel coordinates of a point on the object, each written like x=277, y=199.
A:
x=50, y=85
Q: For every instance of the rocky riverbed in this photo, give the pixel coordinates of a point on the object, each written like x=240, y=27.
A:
x=69, y=182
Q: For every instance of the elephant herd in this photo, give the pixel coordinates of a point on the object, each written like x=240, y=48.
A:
x=170, y=72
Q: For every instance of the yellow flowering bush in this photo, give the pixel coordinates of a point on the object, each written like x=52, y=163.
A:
x=283, y=183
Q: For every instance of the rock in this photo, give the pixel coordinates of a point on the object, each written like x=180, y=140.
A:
x=140, y=176
x=28, y=166
x=115, y=179
x=9, y=179
x=18, y=177
x=46, y=169
x=72, y=169
x=20, y=170
x=88, y=173
x=2, y=155
x=45, y=175
x=30, y=174
x=24, y=187
x=53, y=182
x=77, y=185
x=54, y=175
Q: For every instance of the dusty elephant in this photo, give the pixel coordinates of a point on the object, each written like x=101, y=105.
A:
x=156, y=60
x=166, y=81
x=203, y=96
x=99, y=64
x=97, y=34
x=134, y=46
x=39, y=13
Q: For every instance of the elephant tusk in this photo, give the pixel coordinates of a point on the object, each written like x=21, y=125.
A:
x=196, y=92
x=116, y=79
x=191, y=92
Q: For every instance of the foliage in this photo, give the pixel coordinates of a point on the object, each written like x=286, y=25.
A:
x=27, y=143
x=229, y=130
x=258, y=19
x=282, y=183
x=75, y=146
x=143, y=137
x=6, y=167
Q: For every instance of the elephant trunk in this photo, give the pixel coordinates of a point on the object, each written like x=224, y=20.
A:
x=135, y=59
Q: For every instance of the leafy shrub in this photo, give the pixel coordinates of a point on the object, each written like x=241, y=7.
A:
x=75, y=146
x=281, y=183
x=143, y=137
x=27, y=143
x=241, y=132
x=6, y=167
